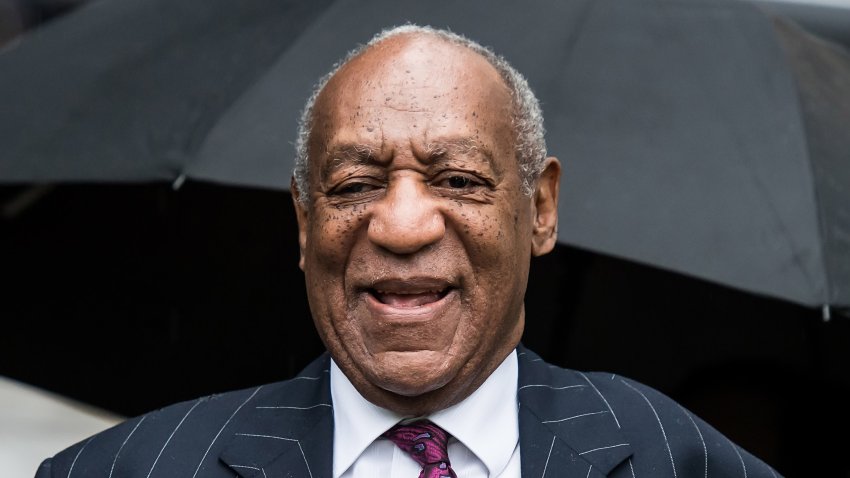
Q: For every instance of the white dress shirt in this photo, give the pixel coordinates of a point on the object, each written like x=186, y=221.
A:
x=484, y=427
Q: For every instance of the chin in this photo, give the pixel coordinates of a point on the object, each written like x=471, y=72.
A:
x=412, y=386
x=412, y=374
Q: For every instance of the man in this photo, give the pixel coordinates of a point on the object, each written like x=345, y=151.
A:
x=422, y=188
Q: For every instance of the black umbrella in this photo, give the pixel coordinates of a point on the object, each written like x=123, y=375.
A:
x=694, y=135
x=710, y=148
x=127, y=91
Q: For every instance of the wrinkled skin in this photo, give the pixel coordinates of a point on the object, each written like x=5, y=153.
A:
x=416, y=238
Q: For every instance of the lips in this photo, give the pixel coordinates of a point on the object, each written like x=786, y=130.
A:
x=408, y=299
x=408, y=314
x=410, y=293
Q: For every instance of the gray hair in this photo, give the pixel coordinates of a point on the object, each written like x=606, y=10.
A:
x=527, y=119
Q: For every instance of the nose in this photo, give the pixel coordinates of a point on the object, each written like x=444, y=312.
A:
x=407, y=219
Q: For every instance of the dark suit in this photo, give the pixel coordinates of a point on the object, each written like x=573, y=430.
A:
x=571, y=424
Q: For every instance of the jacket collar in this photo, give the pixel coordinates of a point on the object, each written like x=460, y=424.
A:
x=289, y=431
x=564, y=423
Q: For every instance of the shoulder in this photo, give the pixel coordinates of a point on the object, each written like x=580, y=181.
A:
x=662, y=434
x=658, y=423
x=182, y=438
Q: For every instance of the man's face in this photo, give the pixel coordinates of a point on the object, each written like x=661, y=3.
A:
x=416, y=238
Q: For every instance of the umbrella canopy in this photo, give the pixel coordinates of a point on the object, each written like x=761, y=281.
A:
x=696, y=136
x=127, y=91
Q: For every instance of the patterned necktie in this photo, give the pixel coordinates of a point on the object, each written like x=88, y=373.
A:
x=426, y=443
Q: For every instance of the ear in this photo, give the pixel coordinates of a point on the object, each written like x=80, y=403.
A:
x=302, y=217
x=545, y=232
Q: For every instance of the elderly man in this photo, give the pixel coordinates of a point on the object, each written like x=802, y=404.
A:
x=422, y=189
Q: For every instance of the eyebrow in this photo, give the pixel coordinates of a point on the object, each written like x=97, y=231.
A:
x=445, y=148
x=457, y=146
x=346, y=154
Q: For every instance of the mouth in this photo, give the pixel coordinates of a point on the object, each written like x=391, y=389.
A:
x=408, y=294
x=410, y=314
x=405, y=300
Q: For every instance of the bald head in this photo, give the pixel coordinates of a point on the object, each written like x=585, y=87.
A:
x=411, y=74
x=393, y=50
x=409, y=60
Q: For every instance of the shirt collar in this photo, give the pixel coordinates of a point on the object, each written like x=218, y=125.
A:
x=357, y=421
x=485, y=422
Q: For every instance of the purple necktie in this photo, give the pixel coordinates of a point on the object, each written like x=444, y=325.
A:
x=426, y=443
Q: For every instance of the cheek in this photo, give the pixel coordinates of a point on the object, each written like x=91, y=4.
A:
x=333, y=233
x=497, y=241
x=494, y=237
x=331, y=238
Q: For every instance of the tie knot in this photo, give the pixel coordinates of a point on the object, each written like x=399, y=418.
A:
x=427, y=444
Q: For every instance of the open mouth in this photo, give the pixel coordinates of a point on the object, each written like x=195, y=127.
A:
x=408, y=299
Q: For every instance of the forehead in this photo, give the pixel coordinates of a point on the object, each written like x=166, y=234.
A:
x=441, y=88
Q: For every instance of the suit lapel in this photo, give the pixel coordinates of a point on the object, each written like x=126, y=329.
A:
x=566, y=428
x=290, y=430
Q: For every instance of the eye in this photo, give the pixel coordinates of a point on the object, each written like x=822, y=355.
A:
x=354, y=188
x=458, y=182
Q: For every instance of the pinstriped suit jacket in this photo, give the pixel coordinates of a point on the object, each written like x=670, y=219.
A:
x=571, y=425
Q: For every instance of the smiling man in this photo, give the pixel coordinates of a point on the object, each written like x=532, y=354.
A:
x=422, y=189
x=416, y=228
